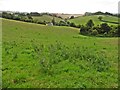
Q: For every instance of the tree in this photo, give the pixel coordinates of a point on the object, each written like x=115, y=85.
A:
x=62, y=23
x=4, y=14
x=0, y=14
x=84, y=30
x=99, y=13
x=100, y=18
x=114, y=31
x=105, y=27
x=7, y=15
x=90, y=24
x=17, y=18
x=53, y=21
x=65, y=19
x=29, y=17
x=68, y=23
x=118, y=30
x=88, y=13
x=34, y=14
x=72, y=17
x=98, y=28
x=60, y=17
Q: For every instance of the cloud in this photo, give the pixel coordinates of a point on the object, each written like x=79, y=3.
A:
x=62, y=6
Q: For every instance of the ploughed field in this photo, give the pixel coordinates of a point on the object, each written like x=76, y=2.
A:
x=39, y=56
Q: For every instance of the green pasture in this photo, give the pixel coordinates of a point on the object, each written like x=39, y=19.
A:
x=39, y=56
x=82, y=20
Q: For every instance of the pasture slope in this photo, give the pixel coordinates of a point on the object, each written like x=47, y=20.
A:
x=46, y=18
x=38, y=56
x=82, y=20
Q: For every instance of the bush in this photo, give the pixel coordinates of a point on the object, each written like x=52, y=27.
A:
x=114, y=31
x=100, y=18
x=105, y=27
x=98, y=28
x=28, y=20
x=72, y=25
x=39, y=22
x=84, y=30
x=90, y=24
x=62, y=23
x=60, y=17
x=16, y=18
x=72, y=17
x=94, y=32
x=78, y=26
x=53, y=21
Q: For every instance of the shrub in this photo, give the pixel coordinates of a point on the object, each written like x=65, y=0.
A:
x=39, y=22
x=105, y=27
x=100, y=18
x=72, y=25
x=114, y=31
x=53, y=21
x=72, y=17
x=94, y=32
x=28, y=20
x=16, y=18
x=84, y=30
x=78, y=26
x=62, y=23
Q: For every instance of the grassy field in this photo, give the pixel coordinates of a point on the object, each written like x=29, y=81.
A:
x=68, y=15
x=46, y=18
x=38, y=56
x=82, y=20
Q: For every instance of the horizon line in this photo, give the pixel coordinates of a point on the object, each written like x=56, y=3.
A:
x=53, y=12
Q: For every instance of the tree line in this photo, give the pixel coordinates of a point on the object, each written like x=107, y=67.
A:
x=101, y=13
x=102, y=30
x=28, y=18
x=89, y=29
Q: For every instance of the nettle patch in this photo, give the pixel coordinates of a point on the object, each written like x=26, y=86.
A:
x=54, y=60
x=57, y=53
x=50, y=55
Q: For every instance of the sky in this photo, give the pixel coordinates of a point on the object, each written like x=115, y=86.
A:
x=60, y=6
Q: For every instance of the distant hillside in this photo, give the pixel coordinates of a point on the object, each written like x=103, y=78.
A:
x=46, y=18
x=68, y=15
x=84, y=19
x=60, y=19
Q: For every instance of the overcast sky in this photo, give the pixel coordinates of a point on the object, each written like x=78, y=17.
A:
x=60, y=6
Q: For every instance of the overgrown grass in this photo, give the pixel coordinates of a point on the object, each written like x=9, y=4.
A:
x=38, y=56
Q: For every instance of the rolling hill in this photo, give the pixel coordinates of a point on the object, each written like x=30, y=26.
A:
x=39, y=56
x=82, y=20
x=46, y=18
x=68, y=15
